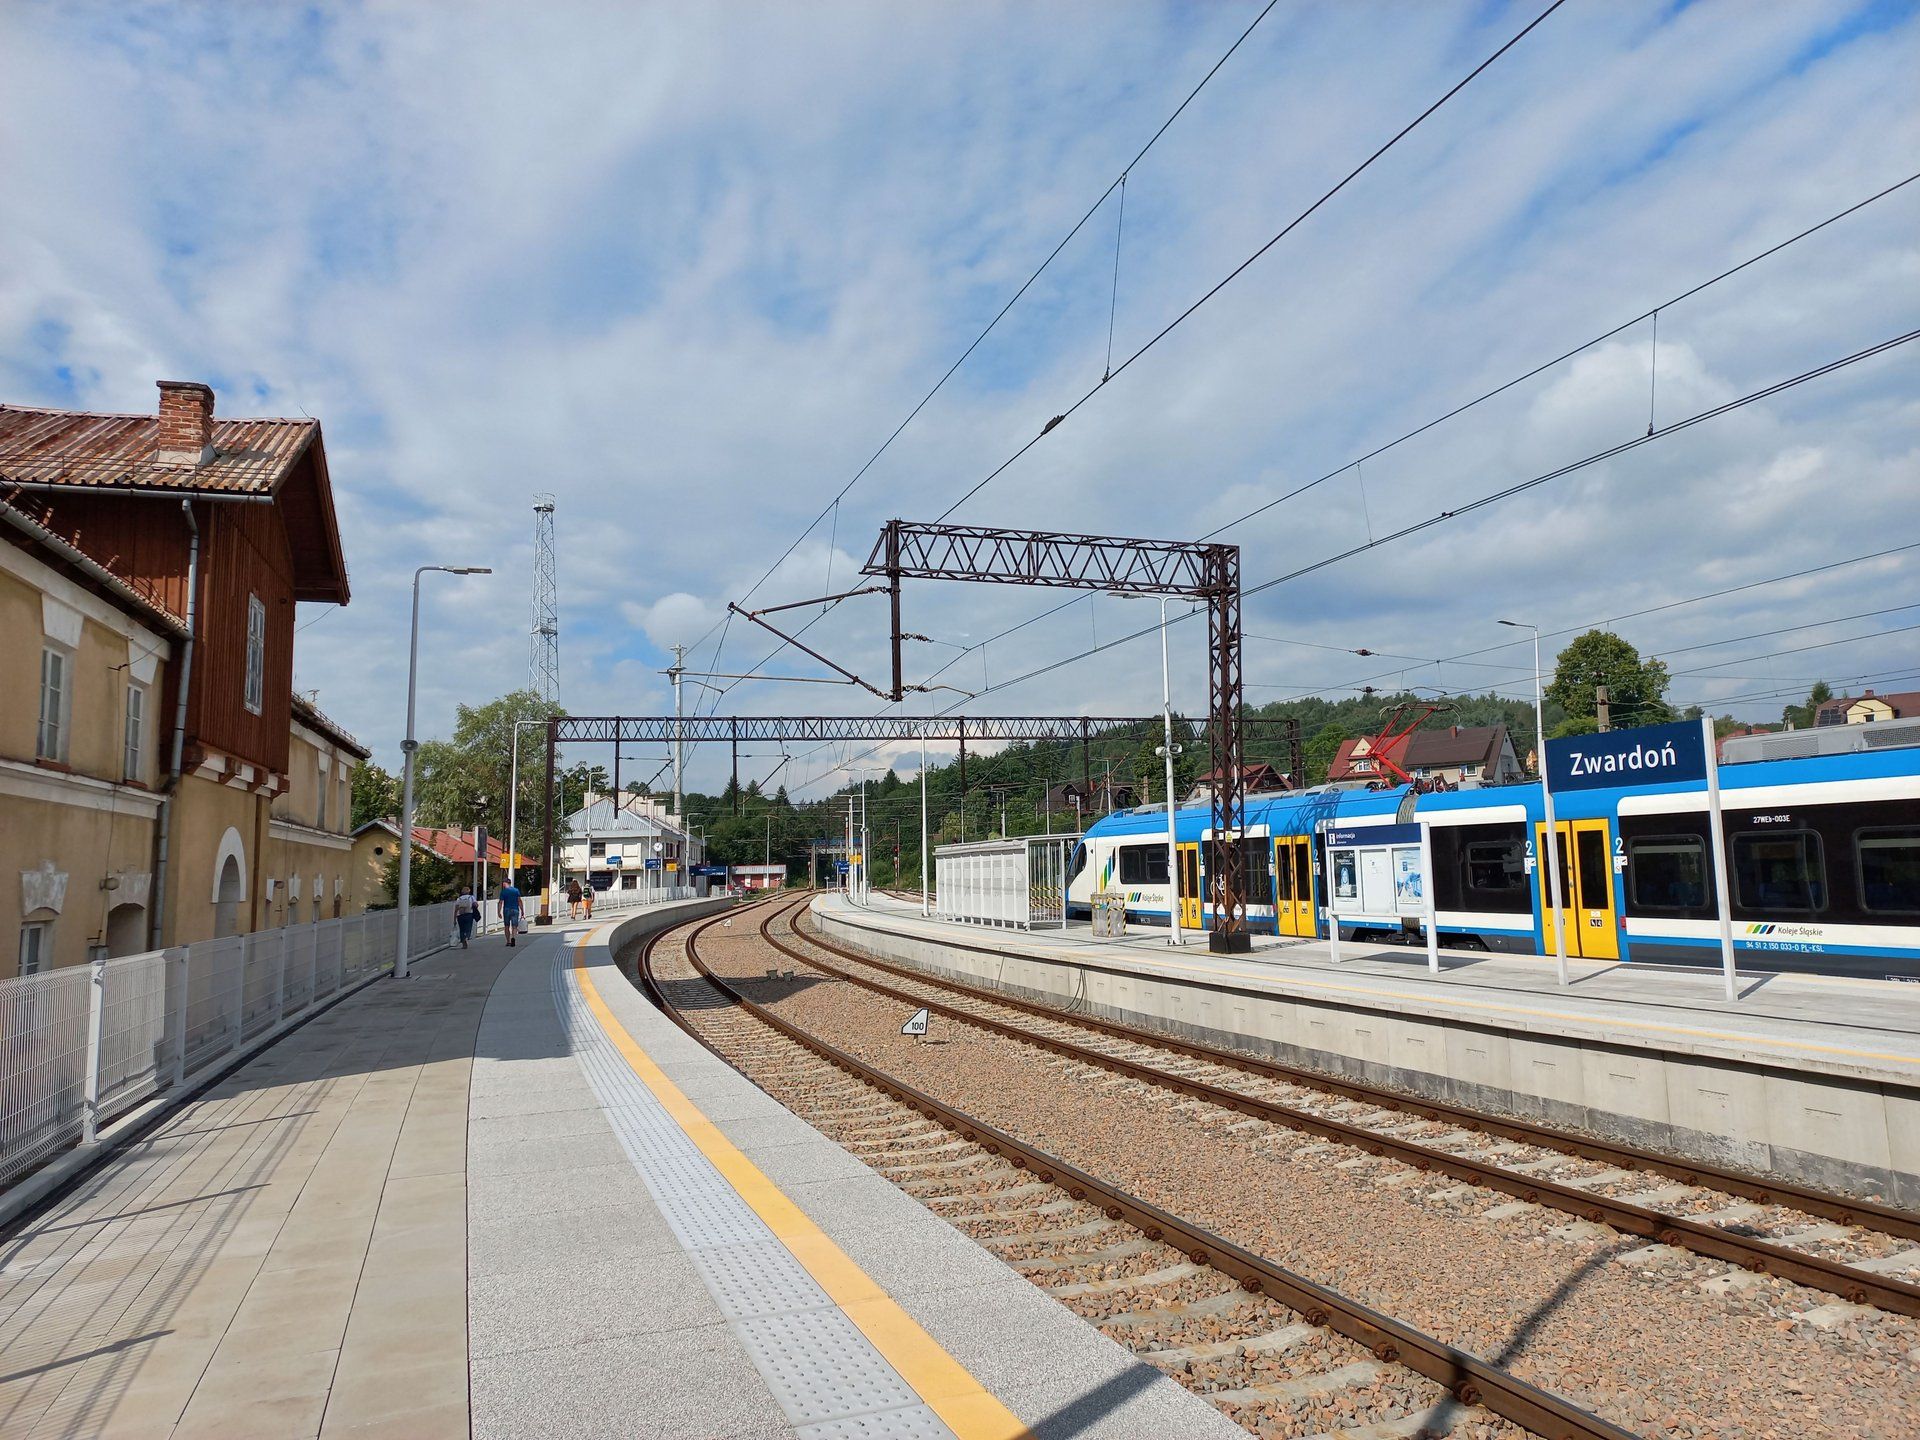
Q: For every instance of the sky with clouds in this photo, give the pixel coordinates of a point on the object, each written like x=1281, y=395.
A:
x=687, y=266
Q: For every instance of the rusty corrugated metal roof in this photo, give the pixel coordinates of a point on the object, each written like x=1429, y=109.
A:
x=116, y=452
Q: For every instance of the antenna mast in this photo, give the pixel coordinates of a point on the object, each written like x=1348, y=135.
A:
x=543, y=653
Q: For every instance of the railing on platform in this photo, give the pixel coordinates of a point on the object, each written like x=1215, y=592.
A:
x=84, y=1044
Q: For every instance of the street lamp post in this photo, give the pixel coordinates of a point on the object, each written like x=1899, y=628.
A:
x=513, y=803
x=1168, y=750
x=1546, y=796
x=407, y=748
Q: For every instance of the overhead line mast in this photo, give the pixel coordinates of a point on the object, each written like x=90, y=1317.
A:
x=543, y=649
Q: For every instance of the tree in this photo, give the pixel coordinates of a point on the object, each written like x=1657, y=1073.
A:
x=376, y=795
x=431, y=879
x=1805, y=717
x=468, y=780
x=1636, y=688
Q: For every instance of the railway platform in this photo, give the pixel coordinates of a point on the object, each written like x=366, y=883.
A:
x=1813, y=1078
x=508, y=1198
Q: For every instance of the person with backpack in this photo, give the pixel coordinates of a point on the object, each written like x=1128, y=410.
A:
x=466, y=910
x=510, y=910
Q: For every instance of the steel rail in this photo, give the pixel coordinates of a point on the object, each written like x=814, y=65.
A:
x=1469, y=1379
x=1749, y=1252
x=1845, y=1209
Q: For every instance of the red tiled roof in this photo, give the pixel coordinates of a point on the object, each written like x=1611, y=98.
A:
x=455, y=845
x=95, y=451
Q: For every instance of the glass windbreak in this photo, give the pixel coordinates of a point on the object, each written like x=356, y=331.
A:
x=1668, y=872
x=1890, y=870
x=1779, y=872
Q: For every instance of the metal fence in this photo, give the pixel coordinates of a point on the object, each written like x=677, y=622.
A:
x=84, y=1044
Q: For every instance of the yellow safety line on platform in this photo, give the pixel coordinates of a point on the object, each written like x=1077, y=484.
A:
x=969, y=1409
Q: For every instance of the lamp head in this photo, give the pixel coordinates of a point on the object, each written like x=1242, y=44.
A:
x=470, y=570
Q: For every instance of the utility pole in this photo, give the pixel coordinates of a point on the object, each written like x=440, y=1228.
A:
x=679, y=741
x=1603, y=711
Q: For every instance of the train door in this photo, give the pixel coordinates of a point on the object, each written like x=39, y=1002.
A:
x=1189, y=858
x=1586, y=888
x=1293, y=885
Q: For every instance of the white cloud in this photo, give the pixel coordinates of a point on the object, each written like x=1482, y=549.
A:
x=687, y=267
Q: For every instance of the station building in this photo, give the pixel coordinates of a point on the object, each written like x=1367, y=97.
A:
x=148, y=589
x=609, y=839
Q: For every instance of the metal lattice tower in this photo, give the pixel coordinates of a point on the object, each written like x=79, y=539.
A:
x=543, y=650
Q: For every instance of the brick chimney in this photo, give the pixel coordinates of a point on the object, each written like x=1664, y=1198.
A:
x=186, y=423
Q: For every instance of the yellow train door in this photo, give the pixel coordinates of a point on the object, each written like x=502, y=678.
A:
x=1189, y=858
x=1293, y=885
x=1593, y=890
x=1586, y=889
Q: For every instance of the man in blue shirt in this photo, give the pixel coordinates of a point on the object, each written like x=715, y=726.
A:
x=510, y=910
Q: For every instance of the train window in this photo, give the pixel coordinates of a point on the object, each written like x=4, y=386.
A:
x=1283, y=871
x=1889, y=863
x=1303, y=871
x=1592, y=848
x=1668, y=872
x=1780, y=872
x=1077, y=863
x=1495, y=868
x=1143, y=864
x=1259, y=872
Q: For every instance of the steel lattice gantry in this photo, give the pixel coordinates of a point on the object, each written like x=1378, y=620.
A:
x=618, y=730
x=1209, y=573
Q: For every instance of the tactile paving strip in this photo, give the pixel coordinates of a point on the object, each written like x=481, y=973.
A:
x=824, y=1373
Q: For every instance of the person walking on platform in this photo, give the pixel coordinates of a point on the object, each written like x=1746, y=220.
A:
x=573, y=899
x=586, y=899
x=510, y=910
x=465, y=911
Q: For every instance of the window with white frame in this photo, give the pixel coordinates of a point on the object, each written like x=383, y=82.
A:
x=256, y=654
x=56, y=702
x=36, y=946
x=136, y=737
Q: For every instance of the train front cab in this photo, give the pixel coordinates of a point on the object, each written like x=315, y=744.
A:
x=1590, y=911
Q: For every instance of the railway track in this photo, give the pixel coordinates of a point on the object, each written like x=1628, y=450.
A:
x=1279, y=1352
x=1713, y=1212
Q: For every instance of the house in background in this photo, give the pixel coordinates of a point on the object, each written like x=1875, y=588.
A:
x=148, y=587
x=1454, y=756
x=1866, y=708
x=628, y=829
x=377, y=841
x=1256, y=778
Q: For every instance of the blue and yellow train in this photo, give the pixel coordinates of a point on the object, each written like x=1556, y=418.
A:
x=1823, y=858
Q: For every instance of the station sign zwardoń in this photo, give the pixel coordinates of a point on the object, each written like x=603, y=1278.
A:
x=1650, y=755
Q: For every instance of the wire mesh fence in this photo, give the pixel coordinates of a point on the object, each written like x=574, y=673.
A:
x=84, y=1044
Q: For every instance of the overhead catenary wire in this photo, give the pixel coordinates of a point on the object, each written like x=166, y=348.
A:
x=1237, y=271
x=1117, y=184
x=1242, y=267
x=1496, y=391
x=1507, y=492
